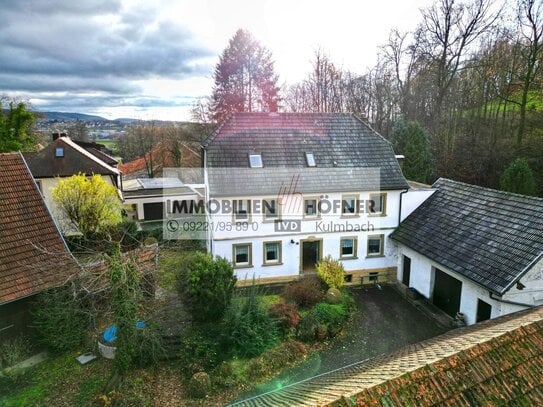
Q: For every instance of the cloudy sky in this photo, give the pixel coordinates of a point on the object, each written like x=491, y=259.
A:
x=153, y=59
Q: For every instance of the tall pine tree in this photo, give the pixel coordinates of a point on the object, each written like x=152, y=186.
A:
x=245, y=80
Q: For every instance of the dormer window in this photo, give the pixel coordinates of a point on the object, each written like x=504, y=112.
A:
x=310, y=159
x=255, y=160
x=59, y=152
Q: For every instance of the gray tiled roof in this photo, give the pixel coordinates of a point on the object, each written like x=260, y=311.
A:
x=488, y=236
x=337, y=140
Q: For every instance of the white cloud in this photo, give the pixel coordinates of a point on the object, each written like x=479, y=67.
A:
x=155, y=58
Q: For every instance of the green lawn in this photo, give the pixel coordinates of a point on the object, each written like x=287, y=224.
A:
x=59, y=381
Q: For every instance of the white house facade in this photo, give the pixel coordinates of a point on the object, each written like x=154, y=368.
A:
x=301, y=187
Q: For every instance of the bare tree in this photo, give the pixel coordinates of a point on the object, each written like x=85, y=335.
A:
x=530, y=17
x=449, y=28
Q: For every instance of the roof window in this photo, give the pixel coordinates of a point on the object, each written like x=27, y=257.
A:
x=255, y=160
x=310, y=158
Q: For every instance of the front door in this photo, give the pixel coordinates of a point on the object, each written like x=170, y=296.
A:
x=311, y=254
x=447, y=293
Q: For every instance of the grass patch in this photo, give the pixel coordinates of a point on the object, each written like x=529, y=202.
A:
x=169, y=263
x=59, y=381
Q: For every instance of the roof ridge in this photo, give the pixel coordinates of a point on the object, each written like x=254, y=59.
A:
x=488, y=189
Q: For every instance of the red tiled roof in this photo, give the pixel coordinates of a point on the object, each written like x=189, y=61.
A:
x=33, y=256
x=162, y=158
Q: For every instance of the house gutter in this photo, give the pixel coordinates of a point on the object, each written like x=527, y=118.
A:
x=400, y=209
x=520, y=304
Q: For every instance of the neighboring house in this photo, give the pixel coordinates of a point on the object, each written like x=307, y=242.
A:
x=473, y=250
x=33, y=255
x=64, y=157
x=278, y=171
x=148, y=200
x=159, y=158
x=495, y=363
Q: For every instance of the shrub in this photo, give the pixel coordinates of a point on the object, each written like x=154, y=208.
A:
x=304, y=293
x=200, y=350
x=258, y=367
x=347, y=302
x=199, y=385
x=226, y=375
x=14, y=350
x=331, y=272
x=149, y=346
x=248, y=328
x=206, y=286
x=59, y=320
x=307, y=328
x=286, y=353
x=286, y=314
x=332, y=316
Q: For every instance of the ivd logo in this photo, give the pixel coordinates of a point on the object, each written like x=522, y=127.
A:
x=287, y=225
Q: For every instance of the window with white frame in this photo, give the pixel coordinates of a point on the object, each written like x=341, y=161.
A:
x=272, y=252
x=242, y=255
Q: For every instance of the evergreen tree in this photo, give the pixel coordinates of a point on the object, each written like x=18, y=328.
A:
x=518, y=178
x=245, y=80
x=411, y=140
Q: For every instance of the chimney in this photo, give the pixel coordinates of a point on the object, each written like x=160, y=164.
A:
x=55, y=135
x=400, y=159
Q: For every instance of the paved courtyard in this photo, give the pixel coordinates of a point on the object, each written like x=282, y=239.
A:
x=384, y=322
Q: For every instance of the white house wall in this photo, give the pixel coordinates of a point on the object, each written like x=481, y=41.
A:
x=291, y=254
x=422, y=276
x=532, y=293
x=259, y=228
x=412, y=199
x=260, y=232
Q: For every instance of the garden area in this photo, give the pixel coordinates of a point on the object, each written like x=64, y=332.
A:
x=200, y=340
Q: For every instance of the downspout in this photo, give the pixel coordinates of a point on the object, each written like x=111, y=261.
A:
x=400, y=209
x=209, y=232
x=520, y=304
